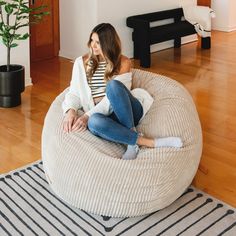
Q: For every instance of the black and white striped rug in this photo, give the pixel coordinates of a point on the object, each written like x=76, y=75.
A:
x=28, y=207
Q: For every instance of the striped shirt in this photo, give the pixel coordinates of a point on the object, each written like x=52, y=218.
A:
x=97, y=83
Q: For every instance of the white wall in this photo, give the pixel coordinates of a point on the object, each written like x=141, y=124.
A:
x=84, y=15
x=76, y=21
x=232, y=15
x=225, y=19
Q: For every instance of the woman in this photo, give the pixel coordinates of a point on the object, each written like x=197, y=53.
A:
x=100, y=85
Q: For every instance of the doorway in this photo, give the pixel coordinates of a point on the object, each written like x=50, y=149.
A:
x=45, y=36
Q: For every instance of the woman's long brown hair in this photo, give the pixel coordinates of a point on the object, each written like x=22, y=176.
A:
x=111, y=48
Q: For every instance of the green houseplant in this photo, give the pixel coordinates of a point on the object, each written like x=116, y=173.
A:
x=15, y=15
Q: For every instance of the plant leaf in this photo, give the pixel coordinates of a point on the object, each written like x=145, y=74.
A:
x=8, y=9
x=2, y=3
x=13, y=45
x=23, y=37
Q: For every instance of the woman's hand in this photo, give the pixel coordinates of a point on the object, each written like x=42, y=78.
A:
x=74, y=123
x=81, y=123
x=69, y=120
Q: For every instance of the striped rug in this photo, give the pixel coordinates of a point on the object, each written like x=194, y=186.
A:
x=28, y=207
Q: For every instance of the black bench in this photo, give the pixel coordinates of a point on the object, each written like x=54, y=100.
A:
x=144, y=35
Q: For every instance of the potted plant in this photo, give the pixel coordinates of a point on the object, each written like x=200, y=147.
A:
x=15, y=15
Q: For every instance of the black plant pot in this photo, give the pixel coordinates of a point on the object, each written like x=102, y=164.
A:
x=12, y=84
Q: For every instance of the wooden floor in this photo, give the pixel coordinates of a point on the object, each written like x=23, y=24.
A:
x=209, y=76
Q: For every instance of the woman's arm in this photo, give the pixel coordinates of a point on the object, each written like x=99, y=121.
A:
x=72, y=98
x=72, y=101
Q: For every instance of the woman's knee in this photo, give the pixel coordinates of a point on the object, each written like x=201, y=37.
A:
x=113, y=86
x=95, y=121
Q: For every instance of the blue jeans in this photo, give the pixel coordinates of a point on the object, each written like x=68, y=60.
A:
x=127, y=112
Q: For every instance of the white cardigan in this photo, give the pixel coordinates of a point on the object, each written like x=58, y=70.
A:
x=80, y=96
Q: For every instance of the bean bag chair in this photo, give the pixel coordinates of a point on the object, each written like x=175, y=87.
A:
x=88, y=172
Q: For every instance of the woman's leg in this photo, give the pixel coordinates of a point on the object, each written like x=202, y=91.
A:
x=109, y=129
x=126, y=108
x=160, y=142
x=127, y=111
x=120, y=126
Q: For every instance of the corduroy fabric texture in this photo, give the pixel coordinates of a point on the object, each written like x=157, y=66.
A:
x=88, y=172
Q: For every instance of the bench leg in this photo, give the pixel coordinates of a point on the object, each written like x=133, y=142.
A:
x=142, y=46
x=206, y=43
x=177, y=42
x=145, y=57
x=136, y=50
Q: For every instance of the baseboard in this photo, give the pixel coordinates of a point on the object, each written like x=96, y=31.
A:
x=28, y=81
x=232, y=28
x=67, y=55
x=225, y=29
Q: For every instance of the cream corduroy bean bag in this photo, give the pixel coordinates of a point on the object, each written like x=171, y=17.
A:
x=87, y=172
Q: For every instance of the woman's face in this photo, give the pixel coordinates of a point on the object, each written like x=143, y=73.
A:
x=95, y=45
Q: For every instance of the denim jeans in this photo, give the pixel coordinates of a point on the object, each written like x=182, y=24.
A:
x=127, y=112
